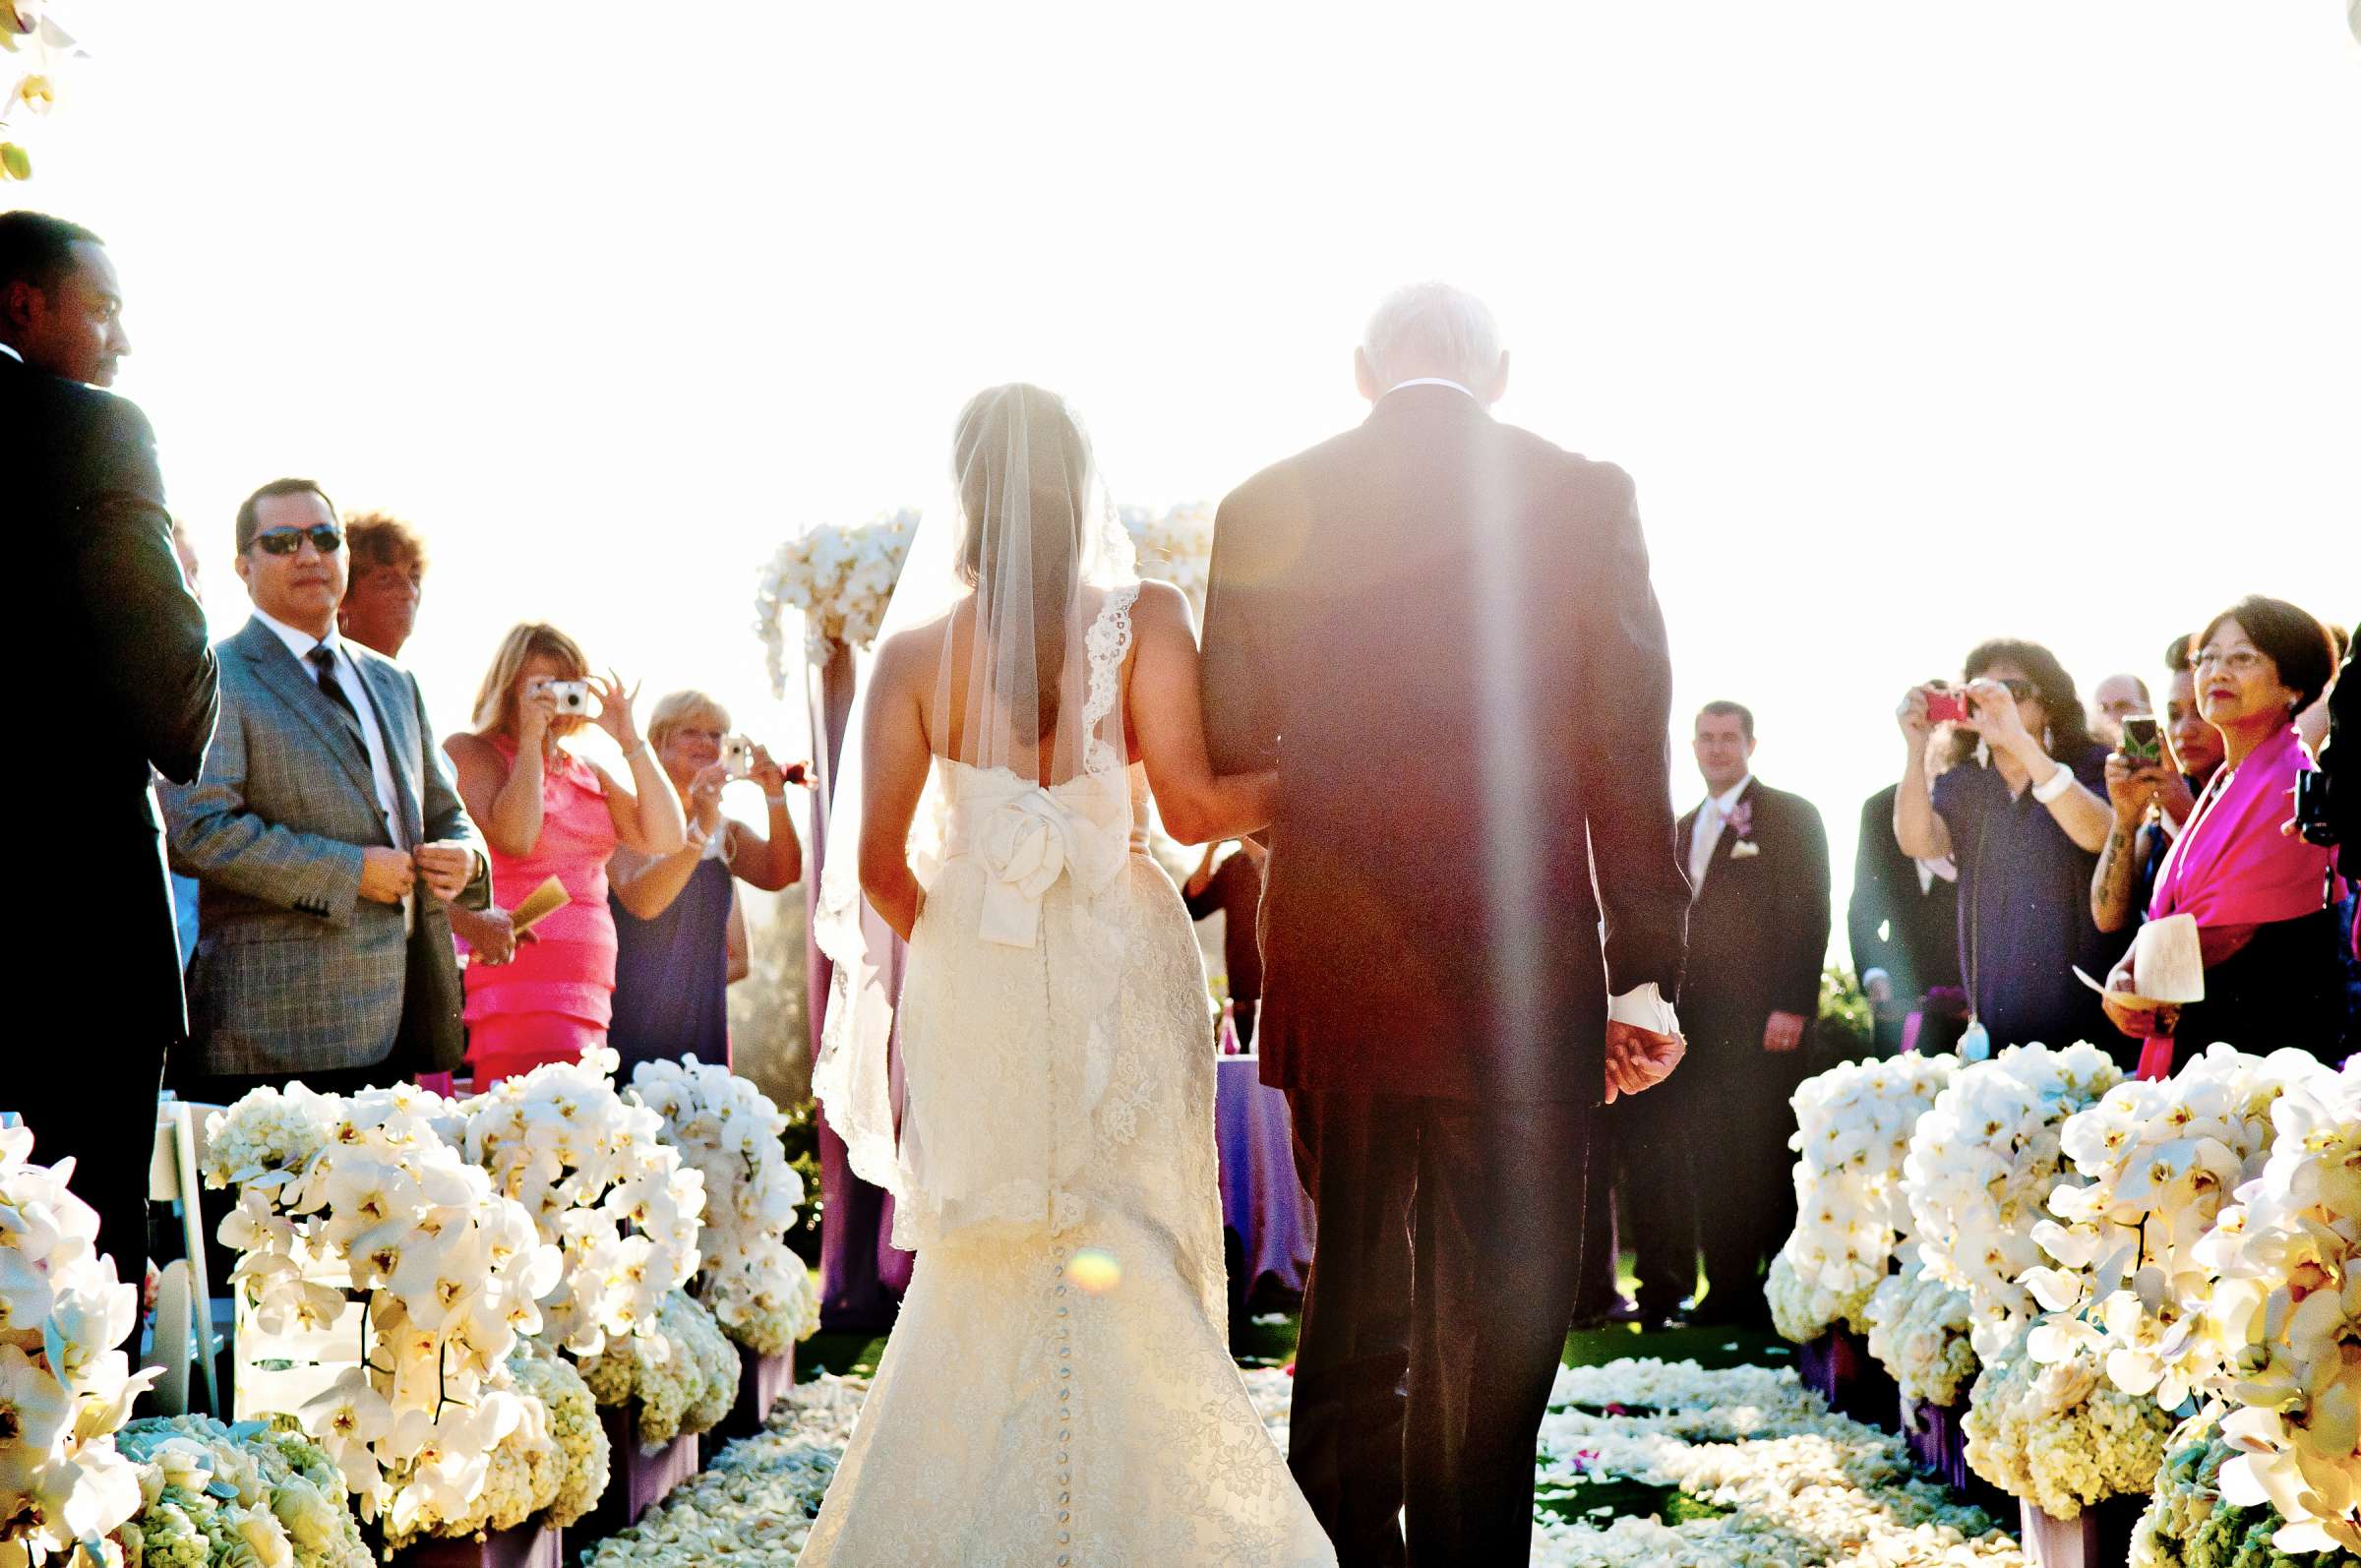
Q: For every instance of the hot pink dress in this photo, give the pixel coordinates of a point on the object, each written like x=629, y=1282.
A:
x=553, y=1001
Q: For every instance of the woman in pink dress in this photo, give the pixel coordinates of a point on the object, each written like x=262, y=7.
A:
x=546, y=813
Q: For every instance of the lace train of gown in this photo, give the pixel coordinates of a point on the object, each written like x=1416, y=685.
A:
x=1063, y=1396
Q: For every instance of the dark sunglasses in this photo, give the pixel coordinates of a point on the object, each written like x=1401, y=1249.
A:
x=325, y=537
x=2023, y=690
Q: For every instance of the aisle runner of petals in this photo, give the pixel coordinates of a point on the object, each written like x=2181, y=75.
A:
x=1803, y=1487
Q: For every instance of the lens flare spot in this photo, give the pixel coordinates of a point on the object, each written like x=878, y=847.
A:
x=1094, y=1270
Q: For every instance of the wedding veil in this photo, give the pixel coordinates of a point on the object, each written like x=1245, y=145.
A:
x=1020, y=591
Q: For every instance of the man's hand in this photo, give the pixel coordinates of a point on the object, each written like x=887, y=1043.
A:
x=1783, y=1032
x=385, y=875
x=446, y=868
x=490, y=933
x=1639, y=1058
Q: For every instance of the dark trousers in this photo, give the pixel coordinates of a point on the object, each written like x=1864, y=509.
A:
x=1710, y=1174
x=1595, y=1294
x=97, y=1107
x=1441, y=1286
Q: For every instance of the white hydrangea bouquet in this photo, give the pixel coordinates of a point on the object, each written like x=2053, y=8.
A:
x=603, y=1187
x=1173, y=546
x=840, y=578
x=2158, y=1160
x=365, y=1197
x=684, y=1376
x=729, y=1132
x=65, y=1387
x=2285, y=1304
x=1982, y=1163
x=574, y=1426
x=2059, y=1435
x=1918, y=1332
x=1854, y=1125
x=214, y=1493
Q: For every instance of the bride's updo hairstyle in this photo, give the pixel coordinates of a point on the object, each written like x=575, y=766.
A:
x=1024, y=472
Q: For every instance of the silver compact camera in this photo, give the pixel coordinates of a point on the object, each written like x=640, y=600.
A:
x=571, y=696
x=738, y=758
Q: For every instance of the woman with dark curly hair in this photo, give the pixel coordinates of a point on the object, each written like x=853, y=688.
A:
x=2023, y=818
x=2263, y=898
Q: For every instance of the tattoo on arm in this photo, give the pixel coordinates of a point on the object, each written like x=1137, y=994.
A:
x=2115, y=875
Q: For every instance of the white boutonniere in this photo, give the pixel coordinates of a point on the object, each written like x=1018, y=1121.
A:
x=1744, y=848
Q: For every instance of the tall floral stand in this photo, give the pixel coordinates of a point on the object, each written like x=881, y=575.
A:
x=761, y=1380
x=534, y=1545
x=2100, y=1537
x=862, y=1276
x=1839, y=1368
x=638, y=1480
x=1938, y=1447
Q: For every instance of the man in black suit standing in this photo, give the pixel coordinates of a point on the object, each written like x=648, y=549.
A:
x=1440, y=629
x=1716, y=1144
x=105, y=595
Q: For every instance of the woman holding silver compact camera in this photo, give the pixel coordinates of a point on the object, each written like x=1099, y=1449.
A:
x=547, y=813
x=681, y=934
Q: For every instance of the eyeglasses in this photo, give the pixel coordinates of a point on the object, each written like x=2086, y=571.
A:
x=2022, y=691
x=2238, y=661
x=325, y=537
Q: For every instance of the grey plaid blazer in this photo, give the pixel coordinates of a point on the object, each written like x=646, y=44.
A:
x=294, y=971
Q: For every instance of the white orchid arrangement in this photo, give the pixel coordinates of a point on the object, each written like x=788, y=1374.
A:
x=603, y=1189
x=27, y=29
x=2158, y=1160
x=1173, y=546
x=730, y=1133
x=1918, y=1332
x=66, y=1389
x=2059, y=1435
x=840, y=578
x=573, y=1427
x=2284, y=1305
x=365, y=1197
x=1982, y=1163
x=684, y=1376
x=1854, y=1125
x=214, y=1493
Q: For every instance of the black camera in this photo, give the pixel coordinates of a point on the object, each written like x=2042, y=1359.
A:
x=2312, y=818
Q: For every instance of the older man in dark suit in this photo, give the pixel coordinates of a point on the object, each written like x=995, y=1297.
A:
x=325, y=835
x=101, y=594
x=1440, y=629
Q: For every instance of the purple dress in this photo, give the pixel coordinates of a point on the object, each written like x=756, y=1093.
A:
x=672, y=976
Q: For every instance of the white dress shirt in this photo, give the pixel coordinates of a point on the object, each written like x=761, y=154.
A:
x=364, y=707
x=11, y=352
x=1712, y=818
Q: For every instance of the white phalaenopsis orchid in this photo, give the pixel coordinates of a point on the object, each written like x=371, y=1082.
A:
x=595, y=1175
x=65, y=1388
x=366, y=1197
x=1854, y=1125
x=840, y=578
x=726, y=1129
x=2158, y=1160
x=1982, y=1163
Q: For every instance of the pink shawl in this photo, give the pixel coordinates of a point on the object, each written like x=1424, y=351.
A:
x=2231, y=865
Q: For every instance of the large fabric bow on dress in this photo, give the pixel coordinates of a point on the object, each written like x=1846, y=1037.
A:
x=1026, y=842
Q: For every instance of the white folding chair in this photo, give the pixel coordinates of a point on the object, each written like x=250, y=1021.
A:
x=184, y=1307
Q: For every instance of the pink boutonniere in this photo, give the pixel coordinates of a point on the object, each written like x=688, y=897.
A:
x=1741, y=818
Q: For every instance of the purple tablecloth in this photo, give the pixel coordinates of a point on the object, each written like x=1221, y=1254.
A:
x=1262, y=1199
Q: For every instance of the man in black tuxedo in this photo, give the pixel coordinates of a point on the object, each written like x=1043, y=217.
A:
x=1903, y=923
x=1718, y=1142
x=102, y=601
x=1440, y=629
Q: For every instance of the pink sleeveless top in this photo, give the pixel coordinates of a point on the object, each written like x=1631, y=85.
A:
x=568, y=967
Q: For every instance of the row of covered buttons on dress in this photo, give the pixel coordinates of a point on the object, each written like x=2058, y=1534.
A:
x=1066, y=1409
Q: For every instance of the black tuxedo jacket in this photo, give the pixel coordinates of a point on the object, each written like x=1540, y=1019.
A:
x=101, y=605
x=1891, y=925
x=1440, y=629
x=1758, y=931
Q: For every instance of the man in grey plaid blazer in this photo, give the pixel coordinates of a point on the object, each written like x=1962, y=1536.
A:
x=325, y=838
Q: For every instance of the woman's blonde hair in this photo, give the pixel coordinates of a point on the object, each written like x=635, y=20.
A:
x=528, y=640
x=679, y=707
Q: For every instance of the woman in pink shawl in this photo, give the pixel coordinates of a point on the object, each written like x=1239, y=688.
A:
x=2274, y=972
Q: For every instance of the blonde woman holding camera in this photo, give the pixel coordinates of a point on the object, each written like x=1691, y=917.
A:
x=546, y=813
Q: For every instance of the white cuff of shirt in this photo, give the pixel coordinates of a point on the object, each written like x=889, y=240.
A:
x=1644, y=1007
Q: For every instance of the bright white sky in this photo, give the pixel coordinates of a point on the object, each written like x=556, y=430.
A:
x=1914, y=324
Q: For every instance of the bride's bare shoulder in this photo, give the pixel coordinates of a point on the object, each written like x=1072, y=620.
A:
x=912, y=652
x=1161, y=611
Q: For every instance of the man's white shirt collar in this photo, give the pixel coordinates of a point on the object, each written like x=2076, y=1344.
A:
x=11, y=352
x=300, y=643
x=1726, y=802
x=1431, y=380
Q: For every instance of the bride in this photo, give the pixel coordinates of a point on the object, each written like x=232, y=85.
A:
x=1059, y=1388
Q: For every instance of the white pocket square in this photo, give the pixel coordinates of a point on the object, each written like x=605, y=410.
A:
x=1744, y=848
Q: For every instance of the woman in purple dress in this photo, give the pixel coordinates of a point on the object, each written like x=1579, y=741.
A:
x=679, y=932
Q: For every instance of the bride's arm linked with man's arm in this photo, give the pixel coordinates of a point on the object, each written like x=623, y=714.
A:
x=1197, y=804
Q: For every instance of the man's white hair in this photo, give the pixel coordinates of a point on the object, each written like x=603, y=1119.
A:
x=1432, y=328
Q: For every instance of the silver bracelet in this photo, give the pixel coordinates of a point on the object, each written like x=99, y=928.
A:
x=776, y=800
x=2057, y=784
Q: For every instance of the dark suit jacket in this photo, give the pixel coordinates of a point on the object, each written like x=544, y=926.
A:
x=1913, y=935
x=1440, y=629
x=102, y=603
x=294, y=971
x=1758, y=931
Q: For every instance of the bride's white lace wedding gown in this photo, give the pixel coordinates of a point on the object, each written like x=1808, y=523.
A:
x=1059, y=1388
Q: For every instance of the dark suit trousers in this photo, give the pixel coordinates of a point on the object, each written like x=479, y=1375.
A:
x=1442, y=1282
x=100, y=1108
